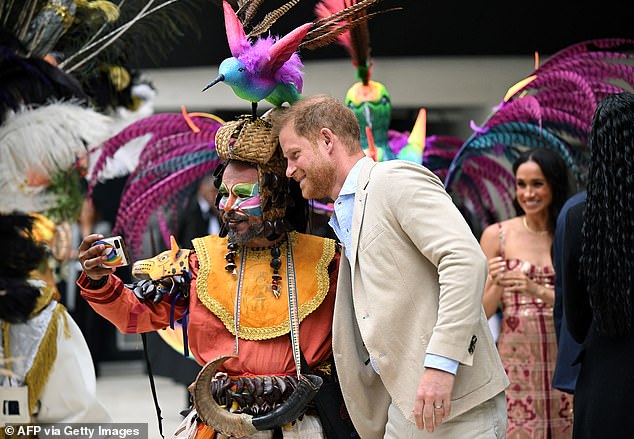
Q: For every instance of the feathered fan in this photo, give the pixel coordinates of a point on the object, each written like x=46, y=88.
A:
x=180, y=150
x=552, y=108
x=38, y=158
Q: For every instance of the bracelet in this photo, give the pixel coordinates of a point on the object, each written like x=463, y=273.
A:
x=97, y=284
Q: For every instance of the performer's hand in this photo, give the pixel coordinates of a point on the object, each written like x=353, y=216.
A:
x=433, y=398
x=91, y=257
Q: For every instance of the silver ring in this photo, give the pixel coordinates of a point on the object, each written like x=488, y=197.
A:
x=438, y=407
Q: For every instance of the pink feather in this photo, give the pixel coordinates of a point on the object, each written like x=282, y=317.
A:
x=236, y=37
x=282, y=50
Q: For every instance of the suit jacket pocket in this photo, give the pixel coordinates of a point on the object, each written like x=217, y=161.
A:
x=369, y=238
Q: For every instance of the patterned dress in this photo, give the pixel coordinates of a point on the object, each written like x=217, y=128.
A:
x=528, y=349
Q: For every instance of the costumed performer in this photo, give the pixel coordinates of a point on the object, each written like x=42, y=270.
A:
x=263, y=293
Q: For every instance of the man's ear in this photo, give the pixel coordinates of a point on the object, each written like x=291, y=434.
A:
x=327, y=137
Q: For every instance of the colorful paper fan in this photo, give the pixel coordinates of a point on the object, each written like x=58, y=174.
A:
x=174, y=338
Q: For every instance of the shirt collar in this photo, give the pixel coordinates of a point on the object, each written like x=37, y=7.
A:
x=350, y=184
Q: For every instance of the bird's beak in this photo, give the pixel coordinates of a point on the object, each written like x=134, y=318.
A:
x=367, y=112
x=220, y=77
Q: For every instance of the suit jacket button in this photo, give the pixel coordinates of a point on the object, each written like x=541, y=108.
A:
x=472, y=344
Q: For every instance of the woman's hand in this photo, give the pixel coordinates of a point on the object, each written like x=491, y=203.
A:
x=497, y=267
x=519, y=282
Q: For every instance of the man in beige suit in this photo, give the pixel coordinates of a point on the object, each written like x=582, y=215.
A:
x=412, y=346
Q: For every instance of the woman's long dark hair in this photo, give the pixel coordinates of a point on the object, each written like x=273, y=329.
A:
x=607, y=257
x=556, y=173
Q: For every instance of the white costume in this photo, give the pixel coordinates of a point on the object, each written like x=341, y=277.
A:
x=49, y=354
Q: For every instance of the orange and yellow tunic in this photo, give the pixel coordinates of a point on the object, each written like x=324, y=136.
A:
x=264, y=345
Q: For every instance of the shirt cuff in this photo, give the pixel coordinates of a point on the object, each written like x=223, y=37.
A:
x=88, y=283
x=442, y=363
x=107, y=293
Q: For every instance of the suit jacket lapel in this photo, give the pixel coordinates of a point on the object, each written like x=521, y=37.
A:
x=359, y=210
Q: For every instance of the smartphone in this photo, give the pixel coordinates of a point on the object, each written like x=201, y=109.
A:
x=116, y=252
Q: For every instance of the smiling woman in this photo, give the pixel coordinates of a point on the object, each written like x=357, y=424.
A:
x=521, y=280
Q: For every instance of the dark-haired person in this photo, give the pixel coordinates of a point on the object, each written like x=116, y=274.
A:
x=598, y=276
x=46, y=372
x=521, y=278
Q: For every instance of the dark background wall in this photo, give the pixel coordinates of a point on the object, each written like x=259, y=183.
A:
x=431, y=28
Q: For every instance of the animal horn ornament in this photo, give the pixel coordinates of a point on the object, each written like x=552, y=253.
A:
x=239, y=425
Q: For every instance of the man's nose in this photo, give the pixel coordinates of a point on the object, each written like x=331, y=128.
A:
x=230, y=202
x=290, y=169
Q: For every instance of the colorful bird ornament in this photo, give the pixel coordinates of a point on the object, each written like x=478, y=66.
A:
x=370, y=100
x=269, y=68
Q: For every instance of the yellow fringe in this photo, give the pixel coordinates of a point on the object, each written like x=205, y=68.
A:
x=66, y=327
x=37, y=377
x=6, y=345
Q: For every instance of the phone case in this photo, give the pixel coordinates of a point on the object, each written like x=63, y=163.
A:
x=115, y=251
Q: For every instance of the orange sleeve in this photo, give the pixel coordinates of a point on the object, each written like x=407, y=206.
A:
x=119, y=305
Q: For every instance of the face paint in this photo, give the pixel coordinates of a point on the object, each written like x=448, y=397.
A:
x=241, y=197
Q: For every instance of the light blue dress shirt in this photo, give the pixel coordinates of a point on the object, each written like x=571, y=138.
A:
x=341, y=223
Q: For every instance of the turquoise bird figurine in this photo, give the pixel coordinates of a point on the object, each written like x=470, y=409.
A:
x=269, y=68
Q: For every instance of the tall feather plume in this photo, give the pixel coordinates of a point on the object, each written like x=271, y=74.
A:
x=141, y=24
x=343, y=16
x=327, y=29
x=248, y=9
x=356, y=41
x=552, y=108
x=270, y=18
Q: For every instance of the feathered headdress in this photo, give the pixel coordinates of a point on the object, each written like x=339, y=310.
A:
x=45, y=123
x=39, y=152
x=552, y=109
x=90, y=39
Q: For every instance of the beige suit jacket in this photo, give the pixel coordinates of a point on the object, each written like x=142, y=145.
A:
x=413, y=286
